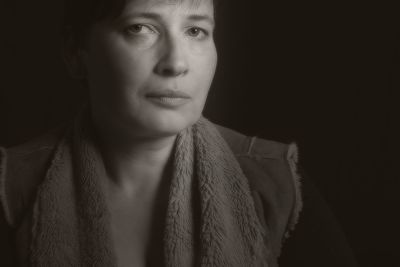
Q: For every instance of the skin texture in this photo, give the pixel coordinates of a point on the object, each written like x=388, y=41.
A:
x=133, y=55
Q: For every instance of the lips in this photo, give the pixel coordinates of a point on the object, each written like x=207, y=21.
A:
x=168, y=98
x=167, y=93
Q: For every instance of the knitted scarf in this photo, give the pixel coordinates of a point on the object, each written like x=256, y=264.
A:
x=71, y=222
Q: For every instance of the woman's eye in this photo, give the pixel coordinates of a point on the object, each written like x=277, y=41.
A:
x=196, y=32
x=139, y=29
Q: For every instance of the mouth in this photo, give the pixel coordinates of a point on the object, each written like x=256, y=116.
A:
x=168, y=98
x=167, y=93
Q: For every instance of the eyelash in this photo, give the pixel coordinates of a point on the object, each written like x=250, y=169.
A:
x=129, y=30
x=200, y=30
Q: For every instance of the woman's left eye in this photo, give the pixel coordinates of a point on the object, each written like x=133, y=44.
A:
x=196, y=32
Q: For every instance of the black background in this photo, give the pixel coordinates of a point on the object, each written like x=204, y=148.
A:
x=326, y=75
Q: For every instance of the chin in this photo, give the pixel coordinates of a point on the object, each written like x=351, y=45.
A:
x=168, y=123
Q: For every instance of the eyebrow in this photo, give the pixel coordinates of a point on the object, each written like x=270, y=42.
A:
x=201, y=18
x=156, y=16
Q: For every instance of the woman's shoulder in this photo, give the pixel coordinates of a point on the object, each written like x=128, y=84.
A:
x=242, y=144
x=22, y=167
x=271, y=170
x=262, y=154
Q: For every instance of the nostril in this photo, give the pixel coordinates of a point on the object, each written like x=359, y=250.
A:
x=167, y=72
x=171, y=70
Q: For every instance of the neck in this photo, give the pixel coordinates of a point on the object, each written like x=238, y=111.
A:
x=132, y=161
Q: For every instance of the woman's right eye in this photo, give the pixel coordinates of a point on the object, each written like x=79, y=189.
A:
x=139, y=29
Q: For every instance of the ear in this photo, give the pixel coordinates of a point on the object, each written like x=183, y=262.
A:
x=73, y=56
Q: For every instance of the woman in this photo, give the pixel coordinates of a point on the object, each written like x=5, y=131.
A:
x=140, y=178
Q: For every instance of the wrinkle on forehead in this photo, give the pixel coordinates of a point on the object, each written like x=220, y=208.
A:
x=193, y=3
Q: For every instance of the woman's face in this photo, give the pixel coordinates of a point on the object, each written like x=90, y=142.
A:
x=149, y=71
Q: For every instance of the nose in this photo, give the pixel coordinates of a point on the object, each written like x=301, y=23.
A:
x=173, y=61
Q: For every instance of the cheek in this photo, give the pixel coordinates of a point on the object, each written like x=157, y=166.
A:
x=120, y=65
x=118, y=70
x=205, y=68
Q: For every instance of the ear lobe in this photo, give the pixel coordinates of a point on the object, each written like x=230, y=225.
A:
x=73, y=58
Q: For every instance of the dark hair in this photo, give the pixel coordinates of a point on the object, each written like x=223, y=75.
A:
x=80, y=15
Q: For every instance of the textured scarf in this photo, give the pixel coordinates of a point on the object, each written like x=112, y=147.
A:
x=71, y=222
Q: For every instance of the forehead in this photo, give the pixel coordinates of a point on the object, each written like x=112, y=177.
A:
x=146, y=5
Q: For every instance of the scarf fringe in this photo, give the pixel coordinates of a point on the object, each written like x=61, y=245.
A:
x=293, y=158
